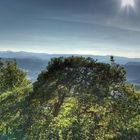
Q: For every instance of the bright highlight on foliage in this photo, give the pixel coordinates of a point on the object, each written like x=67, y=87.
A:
x=128, y=3
x=74, y=98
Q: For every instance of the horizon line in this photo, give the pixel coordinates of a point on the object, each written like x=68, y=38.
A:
x=67, y=54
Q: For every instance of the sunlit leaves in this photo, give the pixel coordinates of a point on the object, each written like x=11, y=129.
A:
x=75, y=98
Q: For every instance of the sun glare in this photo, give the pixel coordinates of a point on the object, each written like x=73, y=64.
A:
x=128, y=3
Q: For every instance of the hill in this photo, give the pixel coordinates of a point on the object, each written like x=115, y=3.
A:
x=33, y=63
x=133, y=71
x=46, y=56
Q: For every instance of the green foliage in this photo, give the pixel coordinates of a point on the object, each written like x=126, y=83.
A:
x=11, y=76
x=14, y=90
x=86, y=99
x=75, y=98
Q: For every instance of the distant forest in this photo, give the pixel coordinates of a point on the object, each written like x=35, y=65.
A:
x=73, y=98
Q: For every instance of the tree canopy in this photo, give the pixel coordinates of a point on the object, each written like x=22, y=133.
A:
x=81, y=98
x=14, y=88
x=75, y=98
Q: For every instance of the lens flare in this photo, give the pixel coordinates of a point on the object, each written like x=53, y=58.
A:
x=128, y=3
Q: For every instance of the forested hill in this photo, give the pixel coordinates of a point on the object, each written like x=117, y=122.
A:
x=34, y=67
x=33, y=63
x=133, y=71
x=74, y=98
x=45, y=56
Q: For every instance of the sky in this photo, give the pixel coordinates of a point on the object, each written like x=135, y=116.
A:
x=98, y=27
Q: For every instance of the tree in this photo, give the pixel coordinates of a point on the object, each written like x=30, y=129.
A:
x=77, y=98
x=11, y=76
x=14, y=89
x=74, y=98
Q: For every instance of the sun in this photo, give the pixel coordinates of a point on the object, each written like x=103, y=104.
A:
x=128, y=3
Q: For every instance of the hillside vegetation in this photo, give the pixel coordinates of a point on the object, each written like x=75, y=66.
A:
x=33, y=63
x=74, y=98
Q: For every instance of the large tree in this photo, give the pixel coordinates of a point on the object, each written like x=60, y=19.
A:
x=80, y=98
x=75, y=98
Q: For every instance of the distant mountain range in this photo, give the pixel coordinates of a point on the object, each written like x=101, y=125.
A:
x=45, y=56
x=133, y=71
x=33, y=63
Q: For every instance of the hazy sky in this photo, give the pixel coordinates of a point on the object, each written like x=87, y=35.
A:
x=100, y=27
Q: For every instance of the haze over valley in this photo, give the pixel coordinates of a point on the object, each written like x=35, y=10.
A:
x=34, y=63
